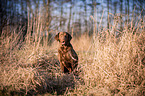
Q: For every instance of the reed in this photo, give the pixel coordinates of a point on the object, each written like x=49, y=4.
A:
x=109, y=64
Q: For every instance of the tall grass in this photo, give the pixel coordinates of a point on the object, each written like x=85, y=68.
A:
x=114, y=65
x=109, y=64
x=114, y=68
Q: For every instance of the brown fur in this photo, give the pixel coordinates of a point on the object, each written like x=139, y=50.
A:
x=67, y=56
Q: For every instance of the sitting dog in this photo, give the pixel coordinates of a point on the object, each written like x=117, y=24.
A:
x=67, y=56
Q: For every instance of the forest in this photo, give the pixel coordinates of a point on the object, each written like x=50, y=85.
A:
x=107, y=35
x=68, y=15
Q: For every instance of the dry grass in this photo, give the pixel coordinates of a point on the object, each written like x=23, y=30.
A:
x=114, y=69
x=108, y=65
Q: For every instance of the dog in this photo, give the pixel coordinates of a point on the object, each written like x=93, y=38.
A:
x=67, y=56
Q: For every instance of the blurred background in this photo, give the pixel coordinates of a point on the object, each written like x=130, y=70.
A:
x=79, y=16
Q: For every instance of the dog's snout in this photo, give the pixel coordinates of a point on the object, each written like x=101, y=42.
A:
x=63, y=42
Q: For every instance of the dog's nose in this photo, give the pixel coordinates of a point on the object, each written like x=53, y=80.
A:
x=63, y=42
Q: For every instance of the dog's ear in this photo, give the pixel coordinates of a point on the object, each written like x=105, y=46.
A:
x=69, y=36
x=57, y=37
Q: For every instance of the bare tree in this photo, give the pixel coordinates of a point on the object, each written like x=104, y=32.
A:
x=70, y=15
x=108, y=14
x=47, y=14
x=121, y=13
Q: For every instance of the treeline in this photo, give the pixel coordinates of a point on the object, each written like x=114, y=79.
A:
x=79, y=16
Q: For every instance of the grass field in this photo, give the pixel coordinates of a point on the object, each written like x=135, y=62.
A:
x=109, y=64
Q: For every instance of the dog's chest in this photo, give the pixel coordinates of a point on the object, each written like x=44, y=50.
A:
x=63, y=52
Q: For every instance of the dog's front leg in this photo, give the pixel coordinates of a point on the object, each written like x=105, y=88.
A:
x=61, y=66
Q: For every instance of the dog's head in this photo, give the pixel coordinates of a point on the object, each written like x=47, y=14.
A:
x=63, y=37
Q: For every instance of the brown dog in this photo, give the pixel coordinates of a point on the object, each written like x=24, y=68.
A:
x=67, y=56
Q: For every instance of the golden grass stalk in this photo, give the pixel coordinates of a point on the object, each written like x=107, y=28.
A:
x=109, y=64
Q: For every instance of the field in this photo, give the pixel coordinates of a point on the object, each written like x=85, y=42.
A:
x=109, y=64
